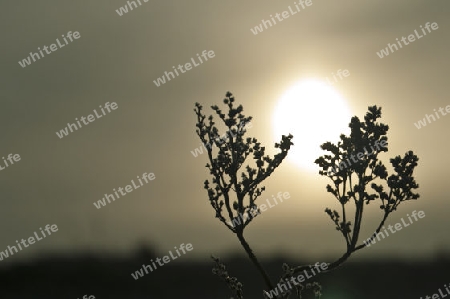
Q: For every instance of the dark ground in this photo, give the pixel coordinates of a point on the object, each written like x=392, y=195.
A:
x=61, y=277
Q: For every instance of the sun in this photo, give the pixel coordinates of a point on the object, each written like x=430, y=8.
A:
x=314, y=112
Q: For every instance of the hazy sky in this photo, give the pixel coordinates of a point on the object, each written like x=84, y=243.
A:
x=117, y=58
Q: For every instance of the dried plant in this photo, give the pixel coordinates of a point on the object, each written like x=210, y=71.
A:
x=236, y=190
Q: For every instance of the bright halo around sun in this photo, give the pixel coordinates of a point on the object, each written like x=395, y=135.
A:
x=314, y=112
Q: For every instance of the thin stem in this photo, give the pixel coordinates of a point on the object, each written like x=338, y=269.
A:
x=345, y=256
x=375, y=233
x=255, y=261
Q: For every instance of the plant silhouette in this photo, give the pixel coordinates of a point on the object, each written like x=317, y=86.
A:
x=235, y=191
